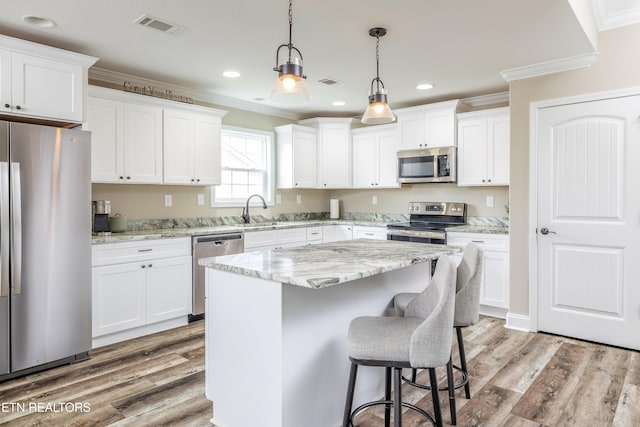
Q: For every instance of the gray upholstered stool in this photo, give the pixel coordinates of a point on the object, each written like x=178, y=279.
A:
x=420, y=339
x=466, y=313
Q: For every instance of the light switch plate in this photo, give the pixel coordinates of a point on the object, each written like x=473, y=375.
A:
x=489, y=201
x=374, y=200
x=278, y=198
x=200, y=199
x=298, y=199
x=168, y=200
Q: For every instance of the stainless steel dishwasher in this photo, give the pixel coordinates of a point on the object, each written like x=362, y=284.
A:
x=205, y=247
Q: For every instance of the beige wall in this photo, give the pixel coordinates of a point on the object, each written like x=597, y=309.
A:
x=617, y=66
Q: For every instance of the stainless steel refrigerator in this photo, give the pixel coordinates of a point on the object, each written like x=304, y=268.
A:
x=45, y=247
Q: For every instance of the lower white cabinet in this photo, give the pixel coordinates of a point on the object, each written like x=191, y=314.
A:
x=369, y=232
x=336, y=232
x=494, y=295
x=275, y=239
x=140, y=288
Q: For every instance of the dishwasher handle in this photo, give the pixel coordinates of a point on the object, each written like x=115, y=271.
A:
x=217, y=239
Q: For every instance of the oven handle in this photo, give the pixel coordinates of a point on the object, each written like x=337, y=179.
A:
x=413, y=233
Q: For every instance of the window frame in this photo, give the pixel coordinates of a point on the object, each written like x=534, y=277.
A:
x=270, y=169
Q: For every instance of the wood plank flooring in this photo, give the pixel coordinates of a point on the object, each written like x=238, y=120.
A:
x=518, y=379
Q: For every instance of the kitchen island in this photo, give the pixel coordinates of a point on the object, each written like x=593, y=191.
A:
x=276, y=325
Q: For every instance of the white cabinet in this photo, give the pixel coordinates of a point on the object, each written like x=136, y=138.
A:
x=336, y=232
x=431, y=125
x=139, y=287
x=191, y=147
x=334, y=151
x=375, y=162
x=42, y=82
x=483, y=147
x=315, y=234
x=297, y=156
x=369, y=232
x=494, y=295
x=126, y=140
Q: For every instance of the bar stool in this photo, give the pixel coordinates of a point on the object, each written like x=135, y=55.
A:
x=421, y=338
x=466, y=313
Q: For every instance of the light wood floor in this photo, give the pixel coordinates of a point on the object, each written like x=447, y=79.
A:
x=517, y=379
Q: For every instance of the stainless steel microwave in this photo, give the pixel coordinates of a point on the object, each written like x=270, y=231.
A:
x=428, y=165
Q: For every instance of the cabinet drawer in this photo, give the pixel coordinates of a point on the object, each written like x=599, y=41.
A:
x=116, y=253
x=314, y=234
x=494, y=242
x=292, y=235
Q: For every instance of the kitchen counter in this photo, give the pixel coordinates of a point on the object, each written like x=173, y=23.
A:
x=487, y=229
x=277, y=320
x=202, y=231
x=329, y=264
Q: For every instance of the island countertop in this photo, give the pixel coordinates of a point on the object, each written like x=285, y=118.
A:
x=329, y=264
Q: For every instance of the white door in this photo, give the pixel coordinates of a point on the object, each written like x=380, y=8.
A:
x=589, y=255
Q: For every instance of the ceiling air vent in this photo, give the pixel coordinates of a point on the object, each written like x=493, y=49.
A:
x=164, y=26
x=329, y=81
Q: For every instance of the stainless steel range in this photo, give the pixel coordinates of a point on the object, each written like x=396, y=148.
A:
x=428, y=221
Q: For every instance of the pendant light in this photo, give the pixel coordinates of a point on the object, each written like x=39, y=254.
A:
x=290, y=86
x=378, y=111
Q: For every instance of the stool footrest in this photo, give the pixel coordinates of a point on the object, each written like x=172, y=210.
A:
x=465, y=380
x=390, y=403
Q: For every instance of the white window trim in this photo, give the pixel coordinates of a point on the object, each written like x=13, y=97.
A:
x=270, y=159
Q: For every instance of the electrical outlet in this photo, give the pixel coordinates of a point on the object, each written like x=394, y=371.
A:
x=374, y=200
x=278, y=198
x=489, y=201
x=200, y=199
x=298, y=199
x=168, y=200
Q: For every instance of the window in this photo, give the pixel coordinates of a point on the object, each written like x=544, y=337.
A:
x=247, y=167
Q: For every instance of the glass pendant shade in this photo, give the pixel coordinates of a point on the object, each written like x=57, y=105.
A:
x=378, y=111
x=290, y=87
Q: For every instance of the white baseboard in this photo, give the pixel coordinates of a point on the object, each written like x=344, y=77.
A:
x=139, y=331
x=487, y=310
x=519, y=322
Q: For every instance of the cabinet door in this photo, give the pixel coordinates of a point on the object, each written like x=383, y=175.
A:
x=118, y=300
x=378, y=233
x=472, y=152
x=5, y=81
x=143, y=144
x=440, y=128
x=365, y=158
x=304, y=159
x=498, y=150
x=168, y=288
x=178, y=147
x=336, y=156
x=45, y=88
x=206, y=148
x=412, y=131
x=495, y=279
x=388, y=159
x=105, y=121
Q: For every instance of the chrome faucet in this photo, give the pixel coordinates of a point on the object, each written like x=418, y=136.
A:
x=245, y=210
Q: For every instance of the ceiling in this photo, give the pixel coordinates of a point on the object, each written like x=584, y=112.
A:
x=461, y=46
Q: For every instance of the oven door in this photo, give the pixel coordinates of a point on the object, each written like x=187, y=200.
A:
x=435, y=238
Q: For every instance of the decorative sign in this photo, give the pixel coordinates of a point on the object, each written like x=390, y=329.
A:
x=156, y=92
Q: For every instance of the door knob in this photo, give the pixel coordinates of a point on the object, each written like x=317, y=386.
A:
x=545, y=231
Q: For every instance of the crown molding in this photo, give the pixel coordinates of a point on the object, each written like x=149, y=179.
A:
x=608, y=20
x=549, y=67
x=494, y=98
x=117, y=78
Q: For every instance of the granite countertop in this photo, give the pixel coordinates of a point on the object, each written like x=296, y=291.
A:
x=219, y=229
x=486, y=229
x=328, y=264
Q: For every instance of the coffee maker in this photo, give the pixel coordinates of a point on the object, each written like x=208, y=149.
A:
x=100, y=210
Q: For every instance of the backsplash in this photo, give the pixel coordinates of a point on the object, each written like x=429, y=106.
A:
x=169, y=223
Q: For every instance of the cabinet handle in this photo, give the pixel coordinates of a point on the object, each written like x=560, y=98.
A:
x=145, y=250
x=488, y=180
x=198, y=180
x=192, y=179
x=150, y=265
x=128, y=177
x=296, y=184
x=477, y=241
x=315, y=234
x=18, y=107
x=143, y=266
x=483, y=180
x=7, y=106
x=325, y=185
x=122, y=177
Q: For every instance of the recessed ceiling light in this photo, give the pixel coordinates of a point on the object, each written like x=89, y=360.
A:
x=231, y=74
x=38, y=21
x=424, y=86
x=338, y=103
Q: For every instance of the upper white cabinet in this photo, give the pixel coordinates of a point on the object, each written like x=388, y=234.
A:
x=374, y=157
x=296, y=153
x=334, y=151
x=191, y=147
x=483, y=147
x=133, y=143
x=431, y=125
x=42, y=82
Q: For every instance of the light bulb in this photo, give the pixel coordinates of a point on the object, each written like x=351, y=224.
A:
x=378, y=108
x=288, y=82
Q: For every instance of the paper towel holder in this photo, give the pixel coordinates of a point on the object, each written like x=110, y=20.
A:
x=334, y=209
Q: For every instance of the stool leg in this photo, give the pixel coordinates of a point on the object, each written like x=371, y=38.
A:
x=414, y=374
x=434, y=395
x=463, y=361
x=397, y=400
x=387, y=397
x=452, y=395
x=346, y=420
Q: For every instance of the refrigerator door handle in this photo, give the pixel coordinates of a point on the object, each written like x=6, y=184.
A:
x=16, y=235
x=4, y=229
